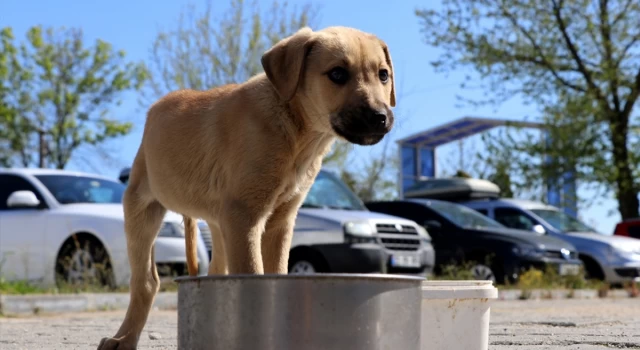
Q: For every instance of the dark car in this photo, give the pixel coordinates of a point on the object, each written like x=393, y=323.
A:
x=460, y=234
x=628, y=228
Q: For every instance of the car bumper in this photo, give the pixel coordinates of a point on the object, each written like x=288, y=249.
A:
x=398, y=263
x=562, y=266
x=353, y=258
x=621, y=273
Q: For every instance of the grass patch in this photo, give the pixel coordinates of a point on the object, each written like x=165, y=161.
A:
x=19, y=288
x=531, y=279
x=25, y=288
x=550, y=279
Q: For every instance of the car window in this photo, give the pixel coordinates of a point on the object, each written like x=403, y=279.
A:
x=461, y=215
x=328, y=191
x=482, y=211
x=71, y=189
x=562, y=221
x=12, y=183
x=513, y=218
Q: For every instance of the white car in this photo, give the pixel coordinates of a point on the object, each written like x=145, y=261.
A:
x=58, y=226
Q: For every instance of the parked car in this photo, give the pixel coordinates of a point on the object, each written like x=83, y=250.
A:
x=614, y=259
x=628, y=228
x=60, y=226
x=460, y=235
x=334, y=232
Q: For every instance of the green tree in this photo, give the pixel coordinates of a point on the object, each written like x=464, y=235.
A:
x=204, y=51
x=56, y=95
x=578, y=60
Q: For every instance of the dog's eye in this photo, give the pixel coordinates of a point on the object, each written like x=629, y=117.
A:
x=339, y=75
x=383, y=74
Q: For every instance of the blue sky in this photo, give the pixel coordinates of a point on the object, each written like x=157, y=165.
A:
x=425, y=100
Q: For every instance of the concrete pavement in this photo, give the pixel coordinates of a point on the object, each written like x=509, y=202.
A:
x=519, y=324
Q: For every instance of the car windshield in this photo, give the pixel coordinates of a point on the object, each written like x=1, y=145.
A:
x=562, y=222
x=70, y=189
x=463, y=216
x=329, y=192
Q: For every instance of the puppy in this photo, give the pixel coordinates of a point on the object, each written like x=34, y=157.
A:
x=243, y=156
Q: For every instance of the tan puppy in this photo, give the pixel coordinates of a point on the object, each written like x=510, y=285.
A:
x=243, y=156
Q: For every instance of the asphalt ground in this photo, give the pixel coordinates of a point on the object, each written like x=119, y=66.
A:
x=523, y=324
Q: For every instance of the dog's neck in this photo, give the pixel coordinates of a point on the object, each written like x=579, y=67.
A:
x=306, y=141
x=311, y=143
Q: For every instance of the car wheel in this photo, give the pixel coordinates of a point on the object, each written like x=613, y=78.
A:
x=592, y=270
x=483, y=272
x=306, y=262
x=82, y=262
x=302, y=267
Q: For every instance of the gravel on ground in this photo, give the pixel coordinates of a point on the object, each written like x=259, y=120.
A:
x=522, y=324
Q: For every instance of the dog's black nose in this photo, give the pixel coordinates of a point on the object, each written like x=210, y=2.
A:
x=377, y=119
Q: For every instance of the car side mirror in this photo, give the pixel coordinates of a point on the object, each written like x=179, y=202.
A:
x=539, y=229
x=23, y=199
x=432, y=225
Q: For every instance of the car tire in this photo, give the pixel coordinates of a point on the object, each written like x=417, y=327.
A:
x=483, y=272
x=83, y=262
x=306, y=262
x=592, y=270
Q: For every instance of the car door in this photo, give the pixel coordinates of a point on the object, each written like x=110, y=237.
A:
x=22, y=233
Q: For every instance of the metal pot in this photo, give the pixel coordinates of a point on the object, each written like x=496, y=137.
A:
x=299, y=312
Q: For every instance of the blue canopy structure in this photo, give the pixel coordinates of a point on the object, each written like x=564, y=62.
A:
x=418, y=156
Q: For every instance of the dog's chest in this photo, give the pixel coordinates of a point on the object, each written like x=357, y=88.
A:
x=304, y=169
x=298, y=181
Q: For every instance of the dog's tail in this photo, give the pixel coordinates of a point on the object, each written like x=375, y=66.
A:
x=190, y=235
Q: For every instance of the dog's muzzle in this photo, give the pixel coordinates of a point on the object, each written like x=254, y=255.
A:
x=363, y=125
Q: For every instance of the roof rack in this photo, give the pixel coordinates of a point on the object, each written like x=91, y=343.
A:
x=453, y=189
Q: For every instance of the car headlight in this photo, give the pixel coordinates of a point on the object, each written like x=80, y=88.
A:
x=171, y=229
x=528, y=251
x=422, y=232
x=625, y=251
x=362, y=229
x=358, y=232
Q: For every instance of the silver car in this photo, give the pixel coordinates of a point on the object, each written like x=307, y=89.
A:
x=335, y=232
x=614, y=259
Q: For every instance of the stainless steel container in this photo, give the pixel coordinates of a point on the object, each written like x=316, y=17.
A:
x=299, y=312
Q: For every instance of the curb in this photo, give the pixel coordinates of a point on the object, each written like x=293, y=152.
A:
x=68, y=303
x=556, y=294
x=37, y=304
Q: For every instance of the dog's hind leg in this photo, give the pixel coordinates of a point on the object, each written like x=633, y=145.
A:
x=143, y=218
x=218, y=265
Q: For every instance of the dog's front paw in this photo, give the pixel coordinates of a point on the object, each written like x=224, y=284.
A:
x=115, y=344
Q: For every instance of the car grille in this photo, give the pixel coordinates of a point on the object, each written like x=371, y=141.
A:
x=628, y=272
x=556, y=254
x=206, y=236
x=398, y=237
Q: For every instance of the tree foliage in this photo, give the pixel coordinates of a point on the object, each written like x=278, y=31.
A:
x=374, y=178
x=578, y=60
x=56, y=95
x=204, y=50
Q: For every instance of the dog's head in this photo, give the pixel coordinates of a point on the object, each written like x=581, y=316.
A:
x=341, y=77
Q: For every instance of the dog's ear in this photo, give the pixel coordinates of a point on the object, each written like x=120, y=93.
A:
x=284, y=63
x=387, y=55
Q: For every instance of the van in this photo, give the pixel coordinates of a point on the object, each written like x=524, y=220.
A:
x=335, y=233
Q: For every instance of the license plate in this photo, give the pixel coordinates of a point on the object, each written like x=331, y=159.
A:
x=405, y=260
x=569, y=270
